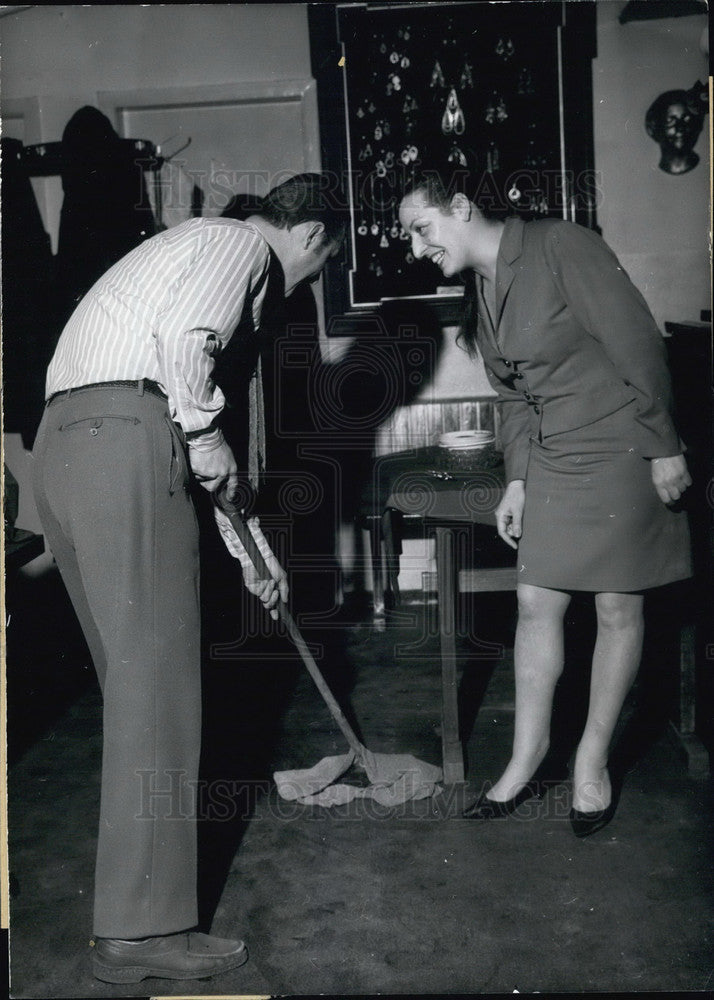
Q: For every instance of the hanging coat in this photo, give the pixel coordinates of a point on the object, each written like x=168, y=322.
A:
x=28, y=297
x=106, y=210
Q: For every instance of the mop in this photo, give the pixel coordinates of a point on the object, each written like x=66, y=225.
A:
x=393, y=778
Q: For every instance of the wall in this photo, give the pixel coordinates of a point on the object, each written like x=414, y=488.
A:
x=63, y=56
x=658, y=224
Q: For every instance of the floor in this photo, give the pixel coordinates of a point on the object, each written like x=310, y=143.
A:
x=363, y=899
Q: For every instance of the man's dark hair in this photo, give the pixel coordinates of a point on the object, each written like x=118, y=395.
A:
x=305, y=198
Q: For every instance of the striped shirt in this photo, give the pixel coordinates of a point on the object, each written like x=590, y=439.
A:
x=164, y=312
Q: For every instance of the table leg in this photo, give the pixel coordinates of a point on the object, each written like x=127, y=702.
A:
x=391, y=557
x=375, y=538
x=452, y=751
x=685, y=728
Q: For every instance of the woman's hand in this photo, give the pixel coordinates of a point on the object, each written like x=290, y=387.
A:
x=670, y=477
x=509, y=513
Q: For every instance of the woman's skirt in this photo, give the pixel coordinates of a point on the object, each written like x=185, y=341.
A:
x=592, y=518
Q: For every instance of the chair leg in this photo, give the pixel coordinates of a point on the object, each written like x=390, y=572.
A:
x=452, y=750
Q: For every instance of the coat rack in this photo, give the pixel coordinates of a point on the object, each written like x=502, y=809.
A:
x=47, y=159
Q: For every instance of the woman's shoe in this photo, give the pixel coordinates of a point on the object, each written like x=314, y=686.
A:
x=543, y=779
x=485, y=808
x=584, y=824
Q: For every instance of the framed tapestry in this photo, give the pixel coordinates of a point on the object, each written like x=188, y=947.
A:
x=499, y=94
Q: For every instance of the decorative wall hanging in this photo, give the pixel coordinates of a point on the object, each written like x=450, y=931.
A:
x=467, y=87
x=453, y=118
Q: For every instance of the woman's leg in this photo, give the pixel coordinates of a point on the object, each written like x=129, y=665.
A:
x=616, y=660
x=538, y=656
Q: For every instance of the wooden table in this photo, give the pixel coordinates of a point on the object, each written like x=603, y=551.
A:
x=447, y=503
x=21, y=547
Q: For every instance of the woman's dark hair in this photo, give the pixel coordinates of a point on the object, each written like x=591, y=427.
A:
x=468, y=333
x=438, y=191
x=438, y=187
x=305, y=198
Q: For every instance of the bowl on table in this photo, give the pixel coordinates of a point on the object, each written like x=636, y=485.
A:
x=467, y=450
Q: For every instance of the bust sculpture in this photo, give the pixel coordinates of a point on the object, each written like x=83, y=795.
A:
x=675, y=120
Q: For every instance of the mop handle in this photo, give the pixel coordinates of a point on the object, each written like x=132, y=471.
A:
x=254, y=554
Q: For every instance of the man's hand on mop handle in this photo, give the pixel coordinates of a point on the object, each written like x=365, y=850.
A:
x=271, y=590
x=213, y=463
x=263, y=575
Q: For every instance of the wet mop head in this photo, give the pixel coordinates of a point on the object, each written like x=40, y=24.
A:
x=394, y=779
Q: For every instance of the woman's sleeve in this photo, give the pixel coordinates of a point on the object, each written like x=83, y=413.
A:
x=607, y=304
x=515, y=428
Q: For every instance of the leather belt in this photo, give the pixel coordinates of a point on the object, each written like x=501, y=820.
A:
x=139, y=386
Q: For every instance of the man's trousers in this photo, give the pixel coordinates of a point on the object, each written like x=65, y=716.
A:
x=111, y=485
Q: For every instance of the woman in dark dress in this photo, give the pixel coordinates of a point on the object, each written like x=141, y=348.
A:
x=593, y=462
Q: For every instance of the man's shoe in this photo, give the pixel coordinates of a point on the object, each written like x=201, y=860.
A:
x=175, y=956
